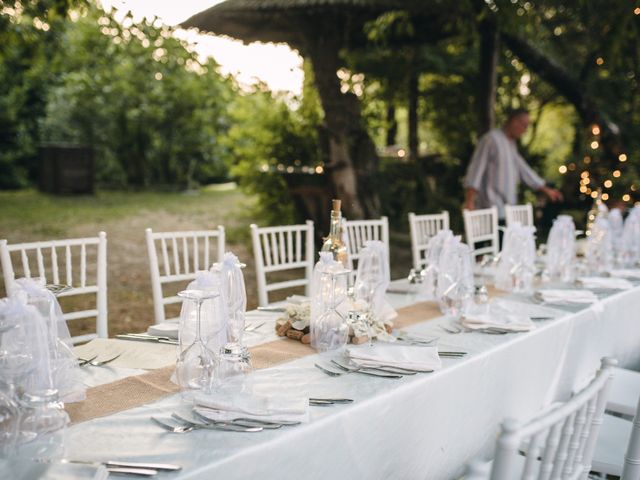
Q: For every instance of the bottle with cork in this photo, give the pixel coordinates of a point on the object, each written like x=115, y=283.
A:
x=333, y=243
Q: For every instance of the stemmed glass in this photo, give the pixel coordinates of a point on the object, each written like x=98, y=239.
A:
x=197, y=363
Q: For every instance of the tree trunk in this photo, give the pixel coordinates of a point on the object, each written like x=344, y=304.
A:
x=353, y=161
x=486, y=96
x=413, y=106
x=392, y=124
x=571, y=89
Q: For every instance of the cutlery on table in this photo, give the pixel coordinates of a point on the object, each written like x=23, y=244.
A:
x=140, y=337
x=94, y=363
x=231, y=425
x=82, y=361
x=366, y=371
x=167, y=467
x=213, y=425
x=380, y=368
x=331, y=373
x=332, y=400
x=253, y=328
x=272, y=309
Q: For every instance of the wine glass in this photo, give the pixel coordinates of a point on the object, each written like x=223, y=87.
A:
x=197, y=363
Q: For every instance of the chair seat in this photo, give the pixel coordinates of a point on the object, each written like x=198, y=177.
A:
x=611, y=446
x=625, y=391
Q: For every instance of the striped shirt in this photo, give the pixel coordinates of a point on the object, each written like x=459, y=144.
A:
x=495, y=171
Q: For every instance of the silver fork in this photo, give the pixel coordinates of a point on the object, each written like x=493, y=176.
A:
x=253, y=328
x=365, y=372
x=100, y=363
x=210, y=425
x=383, y=369
x=331, y=373
x=172, y=428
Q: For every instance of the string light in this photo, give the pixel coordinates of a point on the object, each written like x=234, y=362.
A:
x=600, y=61
x=633, y=188
x=594, y=145
x=583, y=189
x=584, y=174
x=586, y=160
x=605, y=196
x=594, y=194
x=562, y=169
x=622, y=157
x=637, y=11
x=595, y=130
x=616, y=173
x=319, y=169
x=626, y=197
x=608, y=184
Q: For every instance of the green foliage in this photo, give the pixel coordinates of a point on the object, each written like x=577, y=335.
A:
x=269, y=140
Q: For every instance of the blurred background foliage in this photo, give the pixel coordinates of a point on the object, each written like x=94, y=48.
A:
x=157, y=116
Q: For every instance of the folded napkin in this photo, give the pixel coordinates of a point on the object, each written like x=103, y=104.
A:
x=504, y=321
x=567, y=297
x=412, y=357
x=166, y=329
x=605, y=282
x=626, y=273
x=224, y=407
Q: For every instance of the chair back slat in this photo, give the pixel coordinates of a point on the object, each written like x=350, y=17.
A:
x=358, y=232
x=279, y=249
x=519, y=213
x=558, y=443
x=85, y=282
x=422, y=228
x=183, y=255
x=631, y=467
x=481, y=226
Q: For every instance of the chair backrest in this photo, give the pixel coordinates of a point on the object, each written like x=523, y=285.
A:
x=519, y=213
x=357, y=232
x=282, y=248
x=422, y=228
x=631, y=468
x=80, y=263
x=558, y=443
x=183, y=255
x=481, y=226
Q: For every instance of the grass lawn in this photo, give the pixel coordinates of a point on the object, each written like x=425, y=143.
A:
x=32, y=216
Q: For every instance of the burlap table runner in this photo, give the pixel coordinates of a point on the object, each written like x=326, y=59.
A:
x=138, y=390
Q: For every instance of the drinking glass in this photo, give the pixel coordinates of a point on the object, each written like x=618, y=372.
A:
x=197, y=363
x=42, y=427
x=330, y=330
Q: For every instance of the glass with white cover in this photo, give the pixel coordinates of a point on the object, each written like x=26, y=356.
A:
x=329, y=286
x=516, y=267
x=455, y=288
x=42, y=426
x=196, y=367
x=599, y=254
x=561, y=248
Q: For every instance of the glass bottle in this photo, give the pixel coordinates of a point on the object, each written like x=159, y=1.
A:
x=333, y=243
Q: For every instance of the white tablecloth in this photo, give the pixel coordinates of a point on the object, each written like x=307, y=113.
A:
x=425, y=426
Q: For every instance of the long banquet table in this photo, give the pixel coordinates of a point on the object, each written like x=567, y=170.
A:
x=425, y=426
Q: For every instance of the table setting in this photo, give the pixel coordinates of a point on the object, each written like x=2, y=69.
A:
x=222, y=385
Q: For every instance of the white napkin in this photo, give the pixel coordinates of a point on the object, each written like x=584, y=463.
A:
x=505, y=321
x=605, y=282
x=166, y=329
x=223, y=407
x=567, y=297
x=626, y=273
x=415, y=358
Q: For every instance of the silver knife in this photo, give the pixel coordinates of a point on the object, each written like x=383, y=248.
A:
x=272, y=309
x=139, y=472
x=147, y=338
x=166, y=467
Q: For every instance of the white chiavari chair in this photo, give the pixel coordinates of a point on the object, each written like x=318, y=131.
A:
x=357, y=232
x=277, y=249
x=481, y=227
x=182, y=255
x=519, y=213
x=80, y=263
x=559, y=443
x=618, y=448
x=422, y=228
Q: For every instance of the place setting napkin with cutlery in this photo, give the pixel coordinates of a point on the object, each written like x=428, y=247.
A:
x=419, y=358
x=613, y=283
x=232, y=405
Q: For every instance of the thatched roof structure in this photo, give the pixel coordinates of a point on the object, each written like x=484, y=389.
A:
x=274, y=20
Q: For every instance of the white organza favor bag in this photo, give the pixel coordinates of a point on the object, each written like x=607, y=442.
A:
x=516, y=267
x=65, y=371
x=599, y=253
x=455, y=286
x=432, y=257
x=630, y=244
x=561, y=249
x=373, y=278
